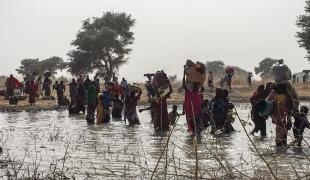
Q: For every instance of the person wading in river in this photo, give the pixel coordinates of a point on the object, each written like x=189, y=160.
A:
x=117, y=108
x=228, y=128
x=73, y=91
x=281, y=116
x=161, y=118
x=217, y=109
x=259, y=121
x=192, y=106
x=103, y=108
x=80, y=99
x=301, y=122
x=174, y=115
x=131, y=101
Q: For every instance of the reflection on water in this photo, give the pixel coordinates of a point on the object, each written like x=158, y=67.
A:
x=52, y=140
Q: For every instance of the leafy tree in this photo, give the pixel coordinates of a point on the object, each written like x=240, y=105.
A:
x=102, y=44
x=52, y=65
x=241, y=73
x=29, y=66
x=303, y=36
x=217, y=67
x=264, y=67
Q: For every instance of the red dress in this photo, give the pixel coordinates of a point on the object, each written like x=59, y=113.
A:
x=33, y=88
x=193, y=101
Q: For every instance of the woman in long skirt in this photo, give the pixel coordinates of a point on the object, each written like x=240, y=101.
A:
x=32, y=92
x=161, y=118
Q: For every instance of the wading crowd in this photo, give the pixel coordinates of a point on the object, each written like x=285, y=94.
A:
x=277, y=100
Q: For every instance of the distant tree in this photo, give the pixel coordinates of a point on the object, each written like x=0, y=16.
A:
x=241, y=73
x=52, y=65
x=303, y=36
x=173, y=78
x=29, y=66
x=217, y=67
x=264, y=67
x=102, y=44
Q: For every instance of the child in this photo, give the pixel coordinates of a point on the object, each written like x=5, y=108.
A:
x=217, y=109
x=173, y=115
x=206, y=115
x=229, y=107
x=301, y=122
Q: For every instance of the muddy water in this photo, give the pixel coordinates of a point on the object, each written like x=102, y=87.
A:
x=54, y=144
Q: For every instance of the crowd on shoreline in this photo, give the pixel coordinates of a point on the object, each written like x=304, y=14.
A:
x=277, y=100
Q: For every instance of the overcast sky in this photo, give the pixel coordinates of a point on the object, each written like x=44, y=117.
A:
x=167, y=32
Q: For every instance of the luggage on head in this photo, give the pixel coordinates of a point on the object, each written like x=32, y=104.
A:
x=229, y=70
x=195, y=73
x=159, y=80
x=280, y=71
x=133, y=88
x=47, y=74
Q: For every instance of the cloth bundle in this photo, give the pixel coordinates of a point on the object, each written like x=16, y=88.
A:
x=280, y=72
x=160, y=80
x=133, y=88
x=195, y=72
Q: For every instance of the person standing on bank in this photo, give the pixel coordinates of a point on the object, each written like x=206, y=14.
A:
x=210, y=81
x=249, y=79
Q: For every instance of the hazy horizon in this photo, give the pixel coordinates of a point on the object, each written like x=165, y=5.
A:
x=239, y=32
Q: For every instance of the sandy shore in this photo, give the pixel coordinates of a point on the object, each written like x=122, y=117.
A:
x=239, y=94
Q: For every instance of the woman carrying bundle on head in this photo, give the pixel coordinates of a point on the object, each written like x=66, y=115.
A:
x=132, y=96
x=159, y=83
x=161, y=118
x=282, y=111
x=33, y=88
x=193, y=80
x=285, y=100
x=229, y=75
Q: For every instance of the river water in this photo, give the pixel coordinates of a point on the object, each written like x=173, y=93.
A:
x=52, y=144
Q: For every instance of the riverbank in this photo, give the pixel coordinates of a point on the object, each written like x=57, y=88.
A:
x=239, y=94
x=41, y=105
